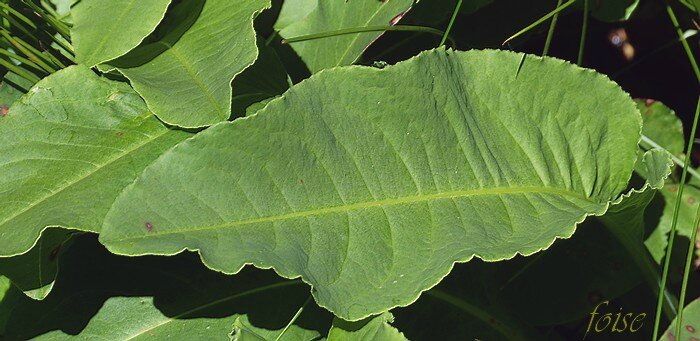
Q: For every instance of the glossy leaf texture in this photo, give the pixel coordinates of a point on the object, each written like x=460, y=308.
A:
x=184, y=71
x=67, y=148
x=690, y=328
x=319, y=54
x=371, y=195
x=107, y=29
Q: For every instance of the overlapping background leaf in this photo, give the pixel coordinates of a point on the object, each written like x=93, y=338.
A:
x=188, y=81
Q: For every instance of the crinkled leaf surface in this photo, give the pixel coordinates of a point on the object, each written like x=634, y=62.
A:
x=185, y=77
x=371, y=194
x=67, y=148
x=319, y=54
x=35, y=271
x=244, y=330
x=106, y=29
x=691, y=324
x=377, y=328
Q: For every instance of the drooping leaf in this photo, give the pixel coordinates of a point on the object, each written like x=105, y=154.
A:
x=185, y=76
x=371, y=194
x=244, y=330
x=102, y=296
x=67, y=148
x=377, y=328
x=691, y=324
x=35, y=271
x=5, y=287
x=319, y=54
x=107, y=29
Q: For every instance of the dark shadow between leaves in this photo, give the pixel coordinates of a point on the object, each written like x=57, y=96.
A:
x=181, y=287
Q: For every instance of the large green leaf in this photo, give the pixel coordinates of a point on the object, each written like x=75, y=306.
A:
x=185, y=77
x=657, y=241
x=106, y=29
x=67, y=148
x=691, y=324
x=293, y=11
x=371, y=194
x=319, y=54
x=35, y=271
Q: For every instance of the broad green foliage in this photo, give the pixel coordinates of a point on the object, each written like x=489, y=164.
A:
x=67, y=148
x=377, y=328
x=328, y=52
x=691, y=324
x=137, y=318
x=243, y=330
x=371, y=195
x=293, y=11
x=106, y=29
x=35, y=271
x=185, y=75
x=656, y=242
x=662, y=125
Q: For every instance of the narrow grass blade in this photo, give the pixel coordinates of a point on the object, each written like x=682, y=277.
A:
x=540, y=20
x=584, y=29
x=452, y=21
x=355, y=30
x=550, y=33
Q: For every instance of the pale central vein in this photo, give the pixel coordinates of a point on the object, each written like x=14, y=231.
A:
x=72, y=182
x=371, y=204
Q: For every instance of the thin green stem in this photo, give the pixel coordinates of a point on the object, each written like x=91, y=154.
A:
x=652, y=144
x=29, y=51
x=19, y=71
x=17, y=14
x=684, y=42
x=22, y=60
x=294, y=318
x=584, y=29
x=355, y=30
x=686, y=271
x=540, y=20
x=452, y=21
x=674, y=222
x=59, y=26
x=550, y=33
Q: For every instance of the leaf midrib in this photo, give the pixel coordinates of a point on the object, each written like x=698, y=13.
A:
x=371, y=204
x=77, y=180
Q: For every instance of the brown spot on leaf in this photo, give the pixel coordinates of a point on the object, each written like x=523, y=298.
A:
x=673, y=189
x=693, y=338
x=149, y=227
x=301, y=181
x=670, y=336
x=649, y=102
x=691, y=200
x=120, y=133
x=690, y=328
x=4, y=110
